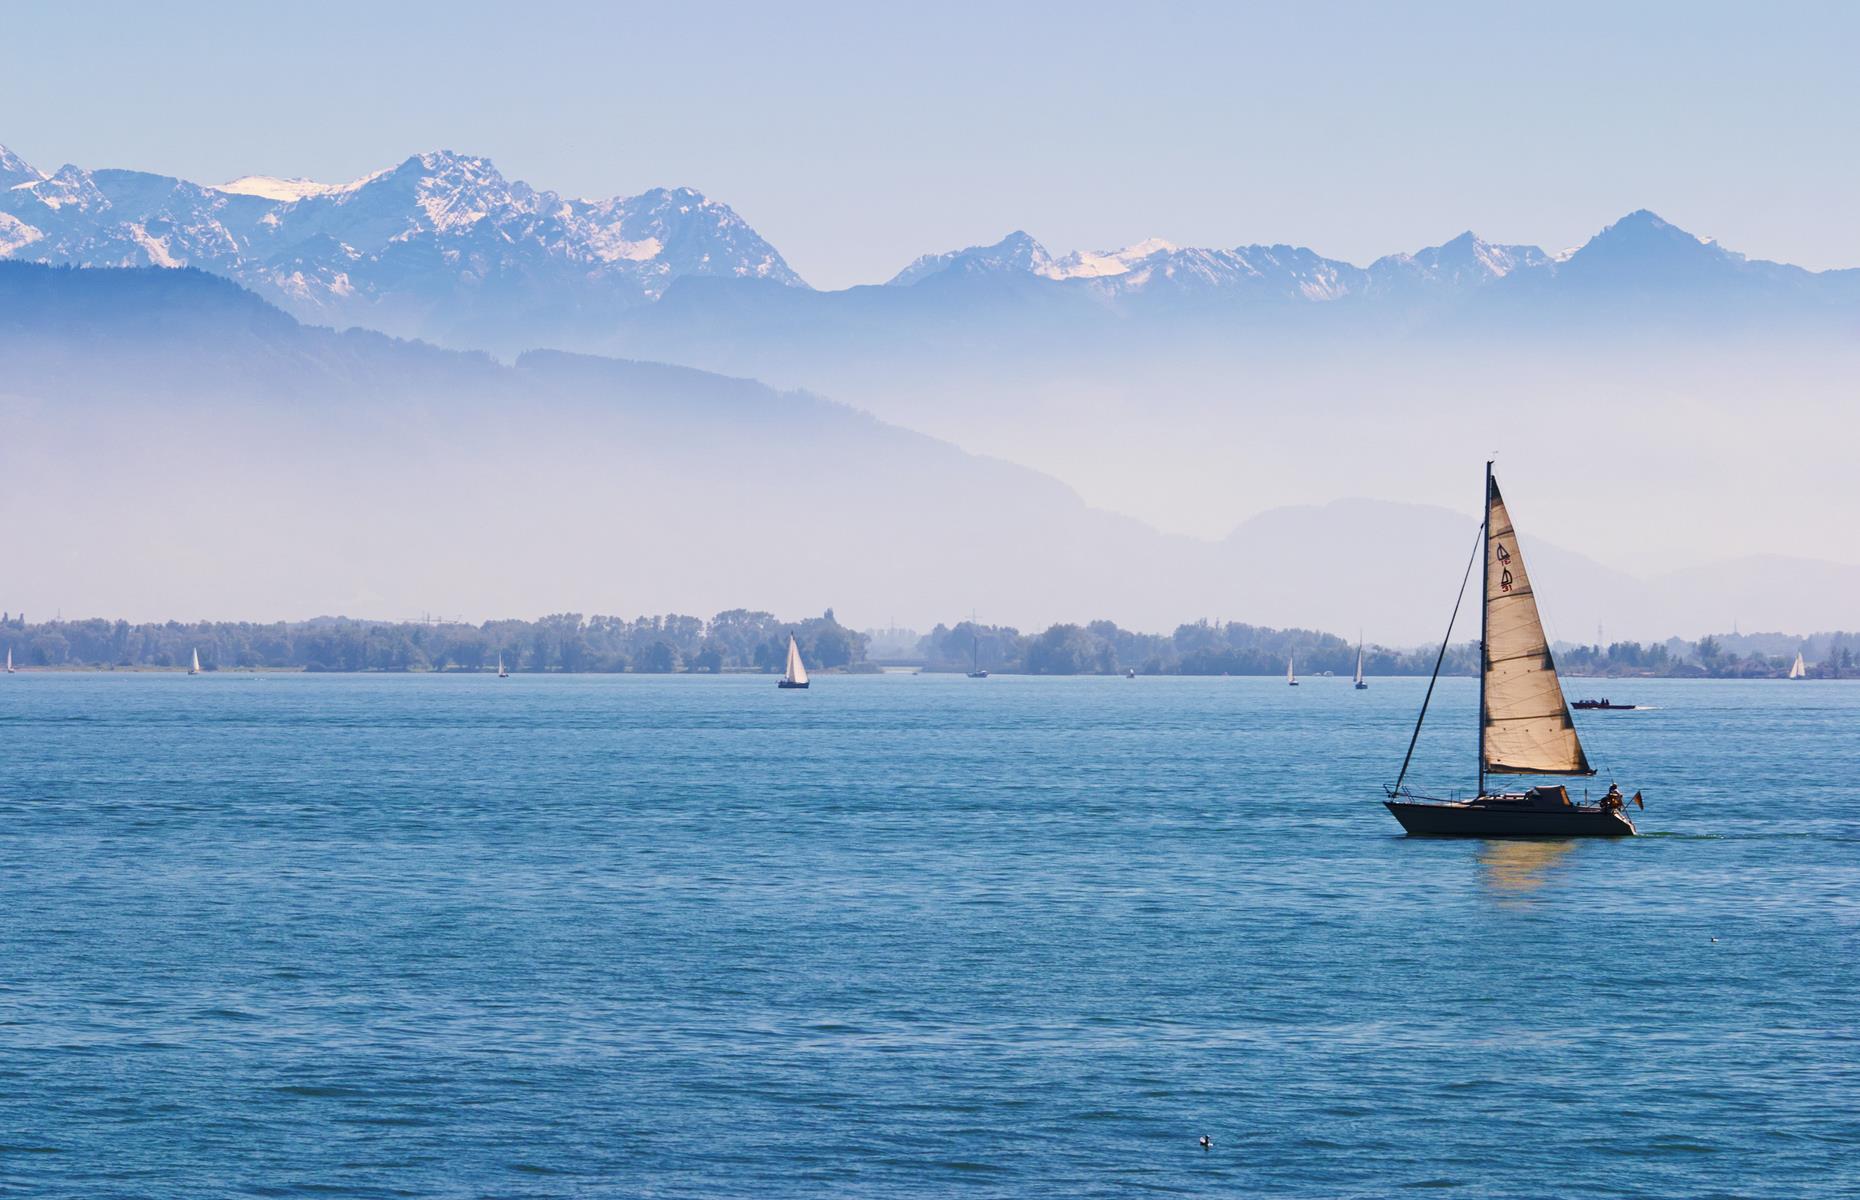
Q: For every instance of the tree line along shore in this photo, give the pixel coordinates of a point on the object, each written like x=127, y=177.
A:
x=744, y=640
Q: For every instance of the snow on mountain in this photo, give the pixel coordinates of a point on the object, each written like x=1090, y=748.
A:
x=15, y=170
x=440, y=246
x=1017, y=252
x=1085, y=264
x=272, y=188
x=1638, y=255
x=443, y=247
x=1466, y=261
x=1277, y=271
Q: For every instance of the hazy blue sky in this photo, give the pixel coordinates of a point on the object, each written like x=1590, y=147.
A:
x=857, y=136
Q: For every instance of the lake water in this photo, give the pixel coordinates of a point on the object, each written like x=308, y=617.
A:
x=908, y=936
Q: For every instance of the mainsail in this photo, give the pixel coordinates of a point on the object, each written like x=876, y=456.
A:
x=1527, y=728
x=195, y=669
x=1800, y=669
x=1289, y=676
x=1359, y=663
x=796, y=673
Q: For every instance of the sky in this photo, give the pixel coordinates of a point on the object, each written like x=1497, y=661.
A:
x=857, y=136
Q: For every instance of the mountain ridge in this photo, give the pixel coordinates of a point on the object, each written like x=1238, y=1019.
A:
x=438, y=245
x=442, y=246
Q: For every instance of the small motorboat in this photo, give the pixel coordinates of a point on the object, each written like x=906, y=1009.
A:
x=1604, y=705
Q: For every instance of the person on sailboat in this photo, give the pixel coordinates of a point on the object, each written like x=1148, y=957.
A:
x=1614, y=798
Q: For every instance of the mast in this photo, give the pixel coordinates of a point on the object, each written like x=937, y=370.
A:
x=1485, y=609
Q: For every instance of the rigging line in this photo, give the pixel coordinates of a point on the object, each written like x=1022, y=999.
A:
x=1442, y=657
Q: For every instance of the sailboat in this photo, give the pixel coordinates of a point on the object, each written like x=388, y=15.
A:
x=195, y=669
x=975, y=660
x=796, y=674
x=1799, y=670
x=501, y=673
x=9, y=660
x=1290, y=677
x=1360, y=685
x=1525, y=726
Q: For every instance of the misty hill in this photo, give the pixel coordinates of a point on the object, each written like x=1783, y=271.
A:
x=1421, y=552
x=1648, y=372
x=176, y=447
x=173, y=445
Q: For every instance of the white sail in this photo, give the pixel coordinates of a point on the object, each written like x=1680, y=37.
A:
x=796, y=673
x=1359, y=665
x=1527, y=724
x=501, y=673
x=1799, y=670
x=1289, y=676
x=195, y=669
x=9, y=660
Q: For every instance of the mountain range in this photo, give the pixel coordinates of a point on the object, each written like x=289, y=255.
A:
x=175, y=446
x=1670, y=396
x=440, y=245
x=443, y=247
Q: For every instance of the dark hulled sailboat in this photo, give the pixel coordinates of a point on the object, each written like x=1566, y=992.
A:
x=1525, y=726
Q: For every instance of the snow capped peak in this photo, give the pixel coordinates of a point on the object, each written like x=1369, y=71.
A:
x=1086, y=264
x=269, y=187
x=1017, y=252
x=15, y=170
x=1467, y=260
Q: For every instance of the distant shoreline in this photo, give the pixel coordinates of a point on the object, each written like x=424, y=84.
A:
x=743, y=641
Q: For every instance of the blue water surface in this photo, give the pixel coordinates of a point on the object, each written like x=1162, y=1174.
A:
x=277, y=935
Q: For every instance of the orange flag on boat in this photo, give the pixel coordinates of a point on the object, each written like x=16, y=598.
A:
x=1639, y=801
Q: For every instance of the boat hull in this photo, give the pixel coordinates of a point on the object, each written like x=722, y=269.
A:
x=1470, y=819
x=789, y=683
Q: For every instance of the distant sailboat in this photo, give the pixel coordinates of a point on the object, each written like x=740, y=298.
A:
x=501, y=673
x=195, y=669
x=9, y=660
x=1290, y=676
x=1525, y=726
x=1360, y=685
x=975, y=660
x=1130, y=672
x=1799, y=670
x=796, y=674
